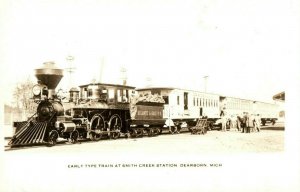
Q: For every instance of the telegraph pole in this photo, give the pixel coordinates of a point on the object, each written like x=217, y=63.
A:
x=70, y=69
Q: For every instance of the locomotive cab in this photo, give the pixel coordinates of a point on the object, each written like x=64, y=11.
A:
x=107, y=93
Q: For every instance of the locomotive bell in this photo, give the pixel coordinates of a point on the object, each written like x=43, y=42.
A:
x=50, y=76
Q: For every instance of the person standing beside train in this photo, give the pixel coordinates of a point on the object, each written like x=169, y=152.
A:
x=233, y=122
x=251, y=123
x=244, y=123
x=257, y=122
x=223, y=119
x=247, y=123
x=238, y=122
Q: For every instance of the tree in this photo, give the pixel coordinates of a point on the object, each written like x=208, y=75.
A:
x=22, y=96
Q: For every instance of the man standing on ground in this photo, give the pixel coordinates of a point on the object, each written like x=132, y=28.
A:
x=223, y=119
x=257, y=122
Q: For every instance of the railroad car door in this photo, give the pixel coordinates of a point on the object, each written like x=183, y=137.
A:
x=185, y=100
x=201, y=111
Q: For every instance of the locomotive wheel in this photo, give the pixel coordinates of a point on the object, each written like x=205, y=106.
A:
x=97, y=125
x=53, y=135
x=115, y=124
x=74, y=136
x=94, y=136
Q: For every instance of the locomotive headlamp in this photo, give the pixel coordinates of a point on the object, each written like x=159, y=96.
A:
x=36, y=90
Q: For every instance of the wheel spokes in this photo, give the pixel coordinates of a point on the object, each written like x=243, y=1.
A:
x=115, y=122
x=115, y=125
x=97, y=125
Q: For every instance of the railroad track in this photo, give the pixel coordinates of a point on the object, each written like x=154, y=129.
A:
x=80, y=141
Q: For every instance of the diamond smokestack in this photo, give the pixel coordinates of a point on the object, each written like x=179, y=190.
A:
x=50, y=76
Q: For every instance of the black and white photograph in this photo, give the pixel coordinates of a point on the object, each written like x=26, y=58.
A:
x=150, y=95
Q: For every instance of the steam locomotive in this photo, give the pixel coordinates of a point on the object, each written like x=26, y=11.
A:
x=108, y=110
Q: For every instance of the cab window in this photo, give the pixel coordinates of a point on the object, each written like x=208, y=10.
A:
x=111, y=95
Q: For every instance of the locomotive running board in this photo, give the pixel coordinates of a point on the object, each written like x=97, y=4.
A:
x=29, y=134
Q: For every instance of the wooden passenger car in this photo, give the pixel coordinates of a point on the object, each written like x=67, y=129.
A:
x=268, y=112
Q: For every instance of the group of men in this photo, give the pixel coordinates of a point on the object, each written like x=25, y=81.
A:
x=243, y=123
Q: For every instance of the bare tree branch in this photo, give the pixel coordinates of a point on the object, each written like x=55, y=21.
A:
x=22, y=97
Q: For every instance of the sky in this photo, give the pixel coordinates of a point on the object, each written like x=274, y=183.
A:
x=248, y=49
